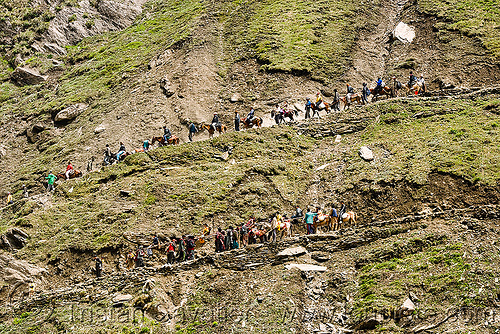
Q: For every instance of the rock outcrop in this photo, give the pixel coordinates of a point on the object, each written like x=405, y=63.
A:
x=26, y=76
x=89, y=18
x=13, y=238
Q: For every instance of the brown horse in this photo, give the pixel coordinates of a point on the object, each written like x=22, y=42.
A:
x=325, y=220
x=348, y=220
x=257, y=121
x=386, y=90
x=354, y=98
x=174, y=140
x=76, y=173
x=221, y=128
x=326, y=107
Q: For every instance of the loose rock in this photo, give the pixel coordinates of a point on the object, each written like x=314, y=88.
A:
x=236, y=97
x=292, y=251
x=365, y=153
x=71, y=112
x=26, y=76
x=305, y=267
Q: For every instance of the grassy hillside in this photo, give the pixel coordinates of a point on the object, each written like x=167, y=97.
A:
x=472, y=18
x=177, y=189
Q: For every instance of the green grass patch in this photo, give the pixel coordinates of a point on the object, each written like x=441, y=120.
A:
x=472, y=18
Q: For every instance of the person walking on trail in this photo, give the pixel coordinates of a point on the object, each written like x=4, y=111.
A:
x=69, y=170
x=98, y=266
x=342, y=211
x=190, y=245
x=9, y=199
x=219, y=241
x=51, y=178
x=25, y=191
x=309, y=220
x=107, y=155
x=308, y=108
x=155, y=243
x=171, y=252
x=145, y=146
x=120, y=151
x=277, y=114
x=139, y=257
x=364, y=93
x=192, y=130
x=237, y=121
x=336, y=100
x=182, y=249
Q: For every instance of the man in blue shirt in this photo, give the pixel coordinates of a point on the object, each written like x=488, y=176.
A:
x=192, y=130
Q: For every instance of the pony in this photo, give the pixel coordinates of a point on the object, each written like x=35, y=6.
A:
x=323, y=105
x=325, y=220
x=220, y=127
x=348, y=218
x=76, y=173
x=282, y=116
x=386, y=90
x=257, y=121
x=174, y=140
x=354, y=98
x=285, y=227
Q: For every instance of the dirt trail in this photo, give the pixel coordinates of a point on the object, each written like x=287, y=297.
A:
x=372, y=51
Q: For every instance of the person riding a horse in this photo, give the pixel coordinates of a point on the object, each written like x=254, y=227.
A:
x=319, y=99
x=69, y=170
x=166, y=133
x=413, y=80
x=120, y=151
x=379, y=86
x=350, y=92
x=250, y=115
x=215, y=121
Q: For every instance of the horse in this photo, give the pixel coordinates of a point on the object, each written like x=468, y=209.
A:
x=257, y=121
x=174, y=140
x=354, y=98
x=325, y=220
x=285, y=227
x=323, y=105
x=348, y=218
x=255, y=233
x=76, y=173
x=220, y=127
x=414, y=89
x=386, y=90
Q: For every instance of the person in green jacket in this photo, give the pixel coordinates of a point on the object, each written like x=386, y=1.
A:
x=51, y=179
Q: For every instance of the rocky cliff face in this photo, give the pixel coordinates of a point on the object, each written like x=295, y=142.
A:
x=48, y=26
x=71, y=24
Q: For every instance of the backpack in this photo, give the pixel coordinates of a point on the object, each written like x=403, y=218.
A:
x=171, y=247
